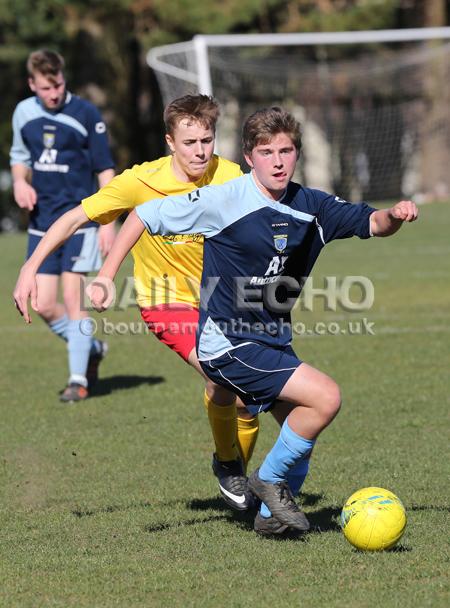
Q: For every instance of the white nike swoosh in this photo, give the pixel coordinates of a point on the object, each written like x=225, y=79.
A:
x=238, y=499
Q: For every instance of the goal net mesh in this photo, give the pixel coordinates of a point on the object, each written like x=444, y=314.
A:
x=375, y=117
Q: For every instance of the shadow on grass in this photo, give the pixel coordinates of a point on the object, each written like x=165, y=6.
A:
x=396, y=549
x=309, y=500
x=443, y=508
x=243, y=518
x=218, y=504
x=161, y=527
x=105, y=386
x=322, y=520
x=400, y=549
x=205, y=504
x=109, y=509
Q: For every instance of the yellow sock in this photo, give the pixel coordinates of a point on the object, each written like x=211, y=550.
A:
x=247, y=434
x=222, y=419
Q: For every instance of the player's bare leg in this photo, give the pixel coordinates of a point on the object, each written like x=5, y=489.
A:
x=310, y=401
x=49, y=308
x=316, y=398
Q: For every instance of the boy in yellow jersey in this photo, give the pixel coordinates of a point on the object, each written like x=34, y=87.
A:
x=167, y=270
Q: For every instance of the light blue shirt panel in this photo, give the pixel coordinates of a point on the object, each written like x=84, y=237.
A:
x=69, y=121
x=206, y=211
x=25, y=111
x=210, y=209
x=212, y=341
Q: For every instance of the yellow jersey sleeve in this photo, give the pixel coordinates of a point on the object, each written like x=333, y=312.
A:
x=114, y=199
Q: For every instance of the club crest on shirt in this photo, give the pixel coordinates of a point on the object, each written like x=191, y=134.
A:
x=280, y=241
x=48, y=139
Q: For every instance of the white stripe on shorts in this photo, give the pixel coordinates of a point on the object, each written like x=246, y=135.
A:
x=267, y=371
x=231, y=383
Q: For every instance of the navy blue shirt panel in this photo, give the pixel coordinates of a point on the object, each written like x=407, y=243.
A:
x=252, y=245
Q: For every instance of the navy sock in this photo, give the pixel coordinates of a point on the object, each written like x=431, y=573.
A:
x=96, y=346
x=297, y=476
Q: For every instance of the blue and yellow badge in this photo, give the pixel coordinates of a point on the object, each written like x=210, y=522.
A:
x=49, y=139
x=280, y=241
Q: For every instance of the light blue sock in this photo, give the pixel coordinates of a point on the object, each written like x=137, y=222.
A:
x=79, y=347
x=59, y=327
x=287, y=460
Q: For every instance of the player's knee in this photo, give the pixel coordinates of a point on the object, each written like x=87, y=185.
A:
x=331, y=402
x=46, y=310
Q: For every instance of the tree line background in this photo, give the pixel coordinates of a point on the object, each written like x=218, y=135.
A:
x=105, y=43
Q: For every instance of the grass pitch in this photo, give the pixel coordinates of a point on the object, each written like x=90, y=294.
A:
x=112, y=502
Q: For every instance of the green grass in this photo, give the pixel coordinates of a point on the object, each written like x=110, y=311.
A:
x=112, y=502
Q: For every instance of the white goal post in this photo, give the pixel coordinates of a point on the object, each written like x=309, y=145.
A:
x=374, y=105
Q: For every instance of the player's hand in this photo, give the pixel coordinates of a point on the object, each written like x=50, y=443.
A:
x=405, y=210
x=24, y=194
x=106, y=236
x=26, y=287
x=101, y=292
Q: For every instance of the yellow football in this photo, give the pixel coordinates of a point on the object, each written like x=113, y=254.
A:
x=373, y=519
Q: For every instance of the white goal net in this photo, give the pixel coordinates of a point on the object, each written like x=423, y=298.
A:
x=374, y=106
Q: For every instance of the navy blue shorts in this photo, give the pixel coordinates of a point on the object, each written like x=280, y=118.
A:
x=255, y=372
x=80, y=253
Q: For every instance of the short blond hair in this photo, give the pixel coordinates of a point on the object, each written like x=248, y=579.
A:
x=200, y=108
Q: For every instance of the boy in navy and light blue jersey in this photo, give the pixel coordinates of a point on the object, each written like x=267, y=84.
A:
x=59, y=146
x=249, y=244
x=262, y=231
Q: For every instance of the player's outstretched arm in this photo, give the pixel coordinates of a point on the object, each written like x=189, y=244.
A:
x=55, y=236
x=385, y=222
x=98, y=291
